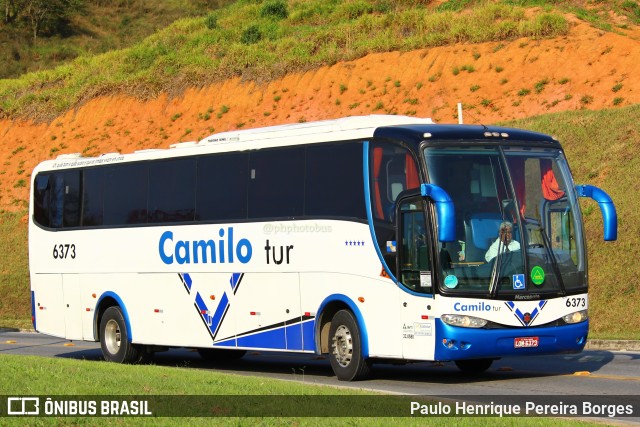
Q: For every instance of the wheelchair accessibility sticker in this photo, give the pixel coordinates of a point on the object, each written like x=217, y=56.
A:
x=518, y=282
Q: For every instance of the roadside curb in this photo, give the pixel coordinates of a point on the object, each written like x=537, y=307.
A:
x=615, y=345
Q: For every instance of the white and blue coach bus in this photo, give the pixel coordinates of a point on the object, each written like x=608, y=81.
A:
x=363, y=238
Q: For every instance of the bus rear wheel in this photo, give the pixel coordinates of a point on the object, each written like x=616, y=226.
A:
x=114, y=339
x=346, y=348
x=474, y=366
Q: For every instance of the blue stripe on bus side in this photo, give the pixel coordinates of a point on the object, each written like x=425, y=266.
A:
x=308, y=339
x=274, y=338
x=294, y=336
x=33, y=310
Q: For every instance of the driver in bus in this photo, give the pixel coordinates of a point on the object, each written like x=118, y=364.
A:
x=504, y=242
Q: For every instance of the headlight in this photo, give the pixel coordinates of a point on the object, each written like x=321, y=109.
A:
x=577, y=317
x=463, y=321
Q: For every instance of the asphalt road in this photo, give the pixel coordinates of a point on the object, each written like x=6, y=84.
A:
x=612, y=376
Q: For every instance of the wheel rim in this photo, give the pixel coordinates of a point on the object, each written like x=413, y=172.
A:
x=112, y=336
x=343, y=346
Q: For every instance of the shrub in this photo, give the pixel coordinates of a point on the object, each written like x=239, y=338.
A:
x=540, y=85
x=275, y=9
x=586, y=99
x=211, y=21
x=251, y=35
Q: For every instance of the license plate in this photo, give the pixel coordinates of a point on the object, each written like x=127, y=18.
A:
x=526, y=342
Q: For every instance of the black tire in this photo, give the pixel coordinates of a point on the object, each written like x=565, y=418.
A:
x=219, y=354
x=474, y=366
x=114, y=339
x=346, y=348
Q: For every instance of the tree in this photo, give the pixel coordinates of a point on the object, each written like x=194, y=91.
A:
x=11, y=9
x=51, y=15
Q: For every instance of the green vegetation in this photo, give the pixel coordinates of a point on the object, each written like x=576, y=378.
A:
x=261, y=42
x=58, y=377
x=15, y=305
x=38, y=35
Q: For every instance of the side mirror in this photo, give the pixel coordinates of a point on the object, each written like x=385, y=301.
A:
x=609, y=215
x=445, y=210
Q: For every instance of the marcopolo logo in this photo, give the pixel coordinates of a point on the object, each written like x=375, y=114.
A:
x=222, y=250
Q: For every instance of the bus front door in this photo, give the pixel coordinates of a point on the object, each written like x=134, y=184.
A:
x=415, y=288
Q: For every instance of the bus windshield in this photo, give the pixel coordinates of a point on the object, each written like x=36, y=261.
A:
x=518, y=230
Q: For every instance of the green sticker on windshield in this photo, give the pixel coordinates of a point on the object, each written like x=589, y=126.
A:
x=537, y=275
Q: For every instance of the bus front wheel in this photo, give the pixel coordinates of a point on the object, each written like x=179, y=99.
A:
x=114, y=339
x=346, y=348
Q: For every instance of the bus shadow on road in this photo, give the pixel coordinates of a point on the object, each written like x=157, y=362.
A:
x=298, y=366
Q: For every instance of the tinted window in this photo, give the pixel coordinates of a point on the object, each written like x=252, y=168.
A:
x=125, y=195
x=334, y=184
x=393, y=170
x=276, y=185
x=71, y=190
x=41, y=196
x=172, y=190
x=93, y=196
x=222, y=187
x=56, y=200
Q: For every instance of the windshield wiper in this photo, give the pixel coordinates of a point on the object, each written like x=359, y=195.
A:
x=495, y=271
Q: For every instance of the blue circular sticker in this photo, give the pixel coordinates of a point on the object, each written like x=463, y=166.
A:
x=451, y=281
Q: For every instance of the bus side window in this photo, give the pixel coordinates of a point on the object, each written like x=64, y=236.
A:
x=56, y=200
x=276, y=183
x=71, y=198
x=92, y=196
x=172, y=190
x=415, y=268
x=393, y=171
x=125, y=194
x=41, y=199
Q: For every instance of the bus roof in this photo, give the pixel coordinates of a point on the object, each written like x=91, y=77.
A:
x=410, y=129
x=359, y=124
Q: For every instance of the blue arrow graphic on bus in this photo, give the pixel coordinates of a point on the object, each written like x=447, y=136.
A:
x=212, y=322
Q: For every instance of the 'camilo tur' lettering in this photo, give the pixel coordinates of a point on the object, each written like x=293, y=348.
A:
x=204, y=251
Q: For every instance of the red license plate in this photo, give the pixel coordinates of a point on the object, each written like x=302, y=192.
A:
x=526, y=342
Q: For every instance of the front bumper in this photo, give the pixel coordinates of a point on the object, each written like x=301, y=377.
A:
x=455, y=343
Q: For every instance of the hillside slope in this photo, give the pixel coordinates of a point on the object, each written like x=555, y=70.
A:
x=587, y=69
